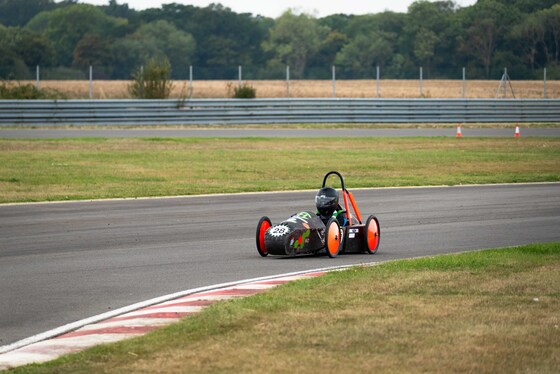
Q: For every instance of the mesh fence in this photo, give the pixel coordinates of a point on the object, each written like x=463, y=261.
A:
x=282, y=81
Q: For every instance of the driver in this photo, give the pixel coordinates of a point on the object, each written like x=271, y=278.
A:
x=326, y=201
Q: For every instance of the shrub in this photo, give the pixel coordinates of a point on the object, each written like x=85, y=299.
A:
x=152, y=81
x=244, y=91
x=10, y=91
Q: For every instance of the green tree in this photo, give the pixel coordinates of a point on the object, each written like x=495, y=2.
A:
x=11, y=65
x=365, y=52
x=229, y=39
x=33, y=49
x=330, y=47
x=92, y=50
x=529, y=6
x=530, y=34
x=482, y=41
x=178, y=46
x=294, y=39
x=387, y=22
x=373, y=41
x=551, y=18
x=114, y=9
x=337, y=22
x=19, y=12
x=158, y=39
x=68, y=25
x=424, y=47
x=131, y=50
x=429, y=33
x=486, y=25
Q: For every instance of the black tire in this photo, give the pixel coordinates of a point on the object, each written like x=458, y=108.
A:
x=333, y=238
x=372, y=235
x=262, y=226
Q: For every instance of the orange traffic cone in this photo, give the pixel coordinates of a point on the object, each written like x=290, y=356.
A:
x=517, y=132
x=459, y=133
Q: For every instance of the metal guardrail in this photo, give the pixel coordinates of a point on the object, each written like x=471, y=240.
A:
x=263, y=111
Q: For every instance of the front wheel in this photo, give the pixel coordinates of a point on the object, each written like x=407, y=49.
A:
x=263, y=225
x=333, y=238
x=372, y=235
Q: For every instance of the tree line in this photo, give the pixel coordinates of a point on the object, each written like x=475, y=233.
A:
x=67, y=37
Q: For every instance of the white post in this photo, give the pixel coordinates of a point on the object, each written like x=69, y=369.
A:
x=90, y=82
x=288, y=80
x=506, y=78
x=464, y=82
x=333, y=81
x=239, y=71
x=142, y=78
x=544, y=82
x=420, y=81
x=38, y=81
x=377, y=81
x=190, y=81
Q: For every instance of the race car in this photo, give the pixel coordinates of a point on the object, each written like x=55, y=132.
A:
x=332, y=229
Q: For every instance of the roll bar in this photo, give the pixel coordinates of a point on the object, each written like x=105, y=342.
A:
x=346, y=195
x=335, y=173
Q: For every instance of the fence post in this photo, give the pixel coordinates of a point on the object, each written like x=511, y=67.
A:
x=420, y=81
x=190, y=81
x=38, y=81
x=377, y=81
x=333, y=81
x=91, y=82
x=544, y=74
x=505, y=82
x=288, y=80
x=142, y=80
x=464, y=82
x=239, y=74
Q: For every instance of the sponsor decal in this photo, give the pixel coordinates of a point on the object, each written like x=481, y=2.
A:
x=300, y=217
x=303, y=239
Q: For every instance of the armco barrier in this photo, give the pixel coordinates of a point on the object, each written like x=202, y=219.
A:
x=249, y=111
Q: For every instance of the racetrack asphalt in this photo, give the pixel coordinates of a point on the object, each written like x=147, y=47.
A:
x=62, y=262
x=8, y=133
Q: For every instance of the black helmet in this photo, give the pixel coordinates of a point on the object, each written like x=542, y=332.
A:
x=326, y=201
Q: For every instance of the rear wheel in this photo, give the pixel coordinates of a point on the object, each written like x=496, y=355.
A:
x=263, y=225
x=333, y=239
x=372, y=235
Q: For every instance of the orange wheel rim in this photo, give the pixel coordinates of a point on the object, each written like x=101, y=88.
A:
x=333, y=239
x=373, y=235
x=264, y=226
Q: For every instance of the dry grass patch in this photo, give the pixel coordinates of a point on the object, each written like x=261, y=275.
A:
x=365, y=88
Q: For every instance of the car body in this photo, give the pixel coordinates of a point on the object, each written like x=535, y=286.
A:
x=305, y=233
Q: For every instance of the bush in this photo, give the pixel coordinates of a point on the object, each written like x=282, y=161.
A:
x=244, y=91
x=152, y=81
x=17, y=91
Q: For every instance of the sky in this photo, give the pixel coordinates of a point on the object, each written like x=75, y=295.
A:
x=274, y=8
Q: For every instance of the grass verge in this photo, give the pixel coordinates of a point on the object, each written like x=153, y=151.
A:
x=493, y=311
x=73, y=169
